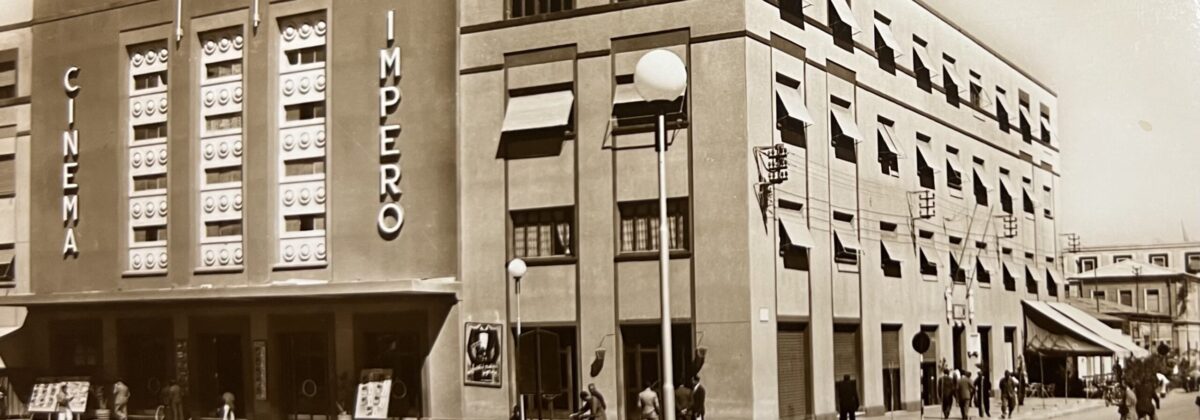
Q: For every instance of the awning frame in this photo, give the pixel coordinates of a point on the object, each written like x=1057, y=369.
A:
x=846, y=123
x=793, y=104
x=796, y=228
x=846, y=15
x=539, y=111
x=889, y=38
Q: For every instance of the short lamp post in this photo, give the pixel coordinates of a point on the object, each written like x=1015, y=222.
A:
x=516, y=270
x=660, y=78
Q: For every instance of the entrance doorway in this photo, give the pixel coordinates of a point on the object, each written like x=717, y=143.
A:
x=397, y=341
x=145, y=360
x=305, y=386
x=546, y=377
x=929, y=367
x=959, y=346
x=220, y=370
x=642, y=359
x=890, y=342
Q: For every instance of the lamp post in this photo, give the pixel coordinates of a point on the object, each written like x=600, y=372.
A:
x=661, y=78
x=516, y=270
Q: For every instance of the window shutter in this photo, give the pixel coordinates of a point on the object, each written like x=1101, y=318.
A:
x=891, y=348
x=845, y=346
x=793, y=372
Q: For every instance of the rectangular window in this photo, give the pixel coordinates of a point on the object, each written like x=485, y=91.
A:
x=305, y=111
x=149, y=80
x=1002, y=111
x=223, y=122
x=845, y=239
x=8, y=179
x=925, y=172
x=8, y=74
x=1025, y=125
x=150, y=182
x=523, y=8
x=226, y=228
x=1051, y=284
x=639, y=225
x=885, y=44
x=842, y=22
x=302, y=167
x=1119, y=258
x=230, y=67
x=1160, y=260
x=1087, y=264
x=305, y=55
x=950, y=80
x=981, y=272
x=1045, y=125
x=305, y=223
x=1099, y=294
x=957, y=274
x=976, y=95
x=1126, y=297
x=954, y=178
x=1027, y=202
x=889, y=263
x=150, y=131
x=921, y=65
x=1153, y=304
x=928, y=264
x=1006, y=199
x=222, y=175
x=844, y=132
x=1193, y=263
x=543, y=232
x=150, y=233
x=981, y=188
x=1010, y=280
x=1030, y=282
x=889, y=159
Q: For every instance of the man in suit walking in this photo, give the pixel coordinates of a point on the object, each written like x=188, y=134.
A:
x=965, y=391
x=683, y=400
x=983, y=394
x=698, y=394
x=946, y=388
x=847, y=398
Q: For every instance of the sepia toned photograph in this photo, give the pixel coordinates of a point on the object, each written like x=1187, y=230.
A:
x=599, y=209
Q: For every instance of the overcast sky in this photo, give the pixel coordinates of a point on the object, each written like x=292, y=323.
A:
x=1127, y=74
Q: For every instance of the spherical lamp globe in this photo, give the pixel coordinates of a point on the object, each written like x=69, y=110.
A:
x=660, y=76
x=516, y=268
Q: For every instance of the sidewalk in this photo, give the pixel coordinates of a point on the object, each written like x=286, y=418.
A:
x=1033, y=409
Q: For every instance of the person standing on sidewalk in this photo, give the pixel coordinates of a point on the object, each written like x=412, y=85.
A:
x=946, y=387
x=1008, y=395
x=965, y=391
x=983, y=394
x=1128, y=402
x=1145, y=402
x=847, y=398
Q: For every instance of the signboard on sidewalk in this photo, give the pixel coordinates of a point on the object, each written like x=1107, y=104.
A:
x=374, y=394
x=49, y=393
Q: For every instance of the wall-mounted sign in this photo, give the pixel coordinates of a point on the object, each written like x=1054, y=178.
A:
x=483, y=354
x=70, y=147
x=260, y=370
x=391, y=213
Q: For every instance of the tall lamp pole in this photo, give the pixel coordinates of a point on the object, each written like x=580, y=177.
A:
x=661, y=78
x=516, y=270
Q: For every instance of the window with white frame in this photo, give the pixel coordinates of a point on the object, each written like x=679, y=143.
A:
x=543, y=232
x=302, y=137
x=640, y=222
x=1153, y=301
x=1161, y=260
x=1087, y=264
x=147, y=157
x=1193, y=262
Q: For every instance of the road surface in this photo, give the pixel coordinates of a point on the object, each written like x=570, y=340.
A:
x=1176, y=406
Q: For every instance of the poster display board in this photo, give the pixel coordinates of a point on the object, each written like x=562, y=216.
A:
x=374, y=394
x=49, y=392
x=482, y=354
x=260, y=370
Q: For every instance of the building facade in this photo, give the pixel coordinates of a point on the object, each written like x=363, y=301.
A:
x=268, y=197
x=1182, y=256
x=1158, y=303
x=921, y=171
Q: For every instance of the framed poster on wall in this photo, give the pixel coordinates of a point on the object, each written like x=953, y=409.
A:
x=260, y=370
x=482, y=354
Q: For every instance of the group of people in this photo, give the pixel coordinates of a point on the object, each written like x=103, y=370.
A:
x=957, y=386
x=689, y=401
x=1141, y=401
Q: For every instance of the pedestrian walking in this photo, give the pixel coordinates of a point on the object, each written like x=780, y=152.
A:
x=965, y=390
x=983, y=394
x=599, y=406
x=946, y=388
x=698, y=395
x=1145, y=403
x=585, y=408
x=121, y=400
x=1008, y=395
x=683, y=400
x=1128, y=404
x=847, y=398
x=648, y=402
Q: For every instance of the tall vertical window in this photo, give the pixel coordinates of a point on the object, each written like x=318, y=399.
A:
x=8, y=175
x=886, y=45
x=1030, y=282
x=844, y=131
x=1045, y=124
x=922, y=65
x=8, y=74
x=221, y=143
x=843, y=24
x=146, y=141
x=889, y=261
x=957, y=273
x=950, y=80
x=1010, y=280
x=543, y=232
x=925, y=171
x=522, y=8
x=1024, y=121
x=889, y=154
x=845, y=239
x=1002, y=110
x=954, y=172
x=640, y=222
x=301, y=170
x=1153, y=301
x=791, y=114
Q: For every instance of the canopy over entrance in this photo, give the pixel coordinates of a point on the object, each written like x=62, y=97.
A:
x=1053, y=333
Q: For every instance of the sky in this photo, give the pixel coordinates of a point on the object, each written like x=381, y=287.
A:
x=1127, y=75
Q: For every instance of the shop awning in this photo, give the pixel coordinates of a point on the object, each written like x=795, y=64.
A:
x=893, y=251
x=797, y=229
x=1113, y=335
x=889, y=139
x=846, y=123
x=1052, y=333
x=889, y=39
x=543, y=110
x=845, y=14
x=793, y=104
x=447, y=286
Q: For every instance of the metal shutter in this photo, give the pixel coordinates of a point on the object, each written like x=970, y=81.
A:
x=846, y=354
x=891, y=348
x=793, y=372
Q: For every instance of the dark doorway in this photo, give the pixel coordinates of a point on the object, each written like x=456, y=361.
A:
x=985, y=350
x=958, y=347
x=793, y=365
x=396, y=341
x=929, y=367
x=146, y=354
x=546, y=372
x=642, y=359
x=305, y=386
x=219, y=370
x=890, y=343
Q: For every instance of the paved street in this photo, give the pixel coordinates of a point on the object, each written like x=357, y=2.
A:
x=1177, y=406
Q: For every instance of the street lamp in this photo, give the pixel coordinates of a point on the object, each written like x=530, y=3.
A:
x=516, y=270
x=661, y=78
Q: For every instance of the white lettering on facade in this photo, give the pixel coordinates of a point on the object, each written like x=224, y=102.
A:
x=70, y=150
x=391, y=213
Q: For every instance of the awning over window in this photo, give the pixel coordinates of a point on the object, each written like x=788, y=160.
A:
x=1002, y=101
x=926, y=59
x=1004, y=183
x=1014, y=269
x=845, y=15
x=1103, y=330
x=844, y=233
x=926, y=153
x=894, y=252
x=889, y=39
x=952, y=71
x=845, y=121
x=930, y=254
x=793, y=223
x=983, y=180
x=889, y=139
x=1024, y=110
x=626, y=93
x=543, y=110
x=1053, y=276
x=987, y=264
x=1030, y=274
x=1050, y=332
x=952, y=160
x=793, y=104
x=1046, y=124
x=1030, y=194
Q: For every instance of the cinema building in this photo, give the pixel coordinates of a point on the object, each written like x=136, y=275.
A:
x=267, y=197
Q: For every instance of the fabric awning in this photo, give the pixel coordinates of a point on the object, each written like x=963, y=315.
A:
x=793, y=104
x=1005, y=183
x=1050, y=332
x=952, y=71
x=626, y=93
x=893, y=251
x=889, y=139
x=1100, y=328
x=845, y=121
x=926, y=60
x=797, y=229
x=986, y=263
x=889, y=39
x=1032, y=196
x=953, y=162
x=1046, y=124
x=1031, y=274
x=930, y=254
x=926, y=153
x=844, y=233
x=983, y=180
x=845, y=15
x=1014, y=269
x=1024, y=110
x=543, y=110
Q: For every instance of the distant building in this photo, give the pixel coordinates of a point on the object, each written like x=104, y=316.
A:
x=1181, y=256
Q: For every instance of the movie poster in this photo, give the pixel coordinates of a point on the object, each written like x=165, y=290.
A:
x=483, y=354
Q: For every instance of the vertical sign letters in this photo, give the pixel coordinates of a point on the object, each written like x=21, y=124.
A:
x=70, y=150
x=391, y=213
